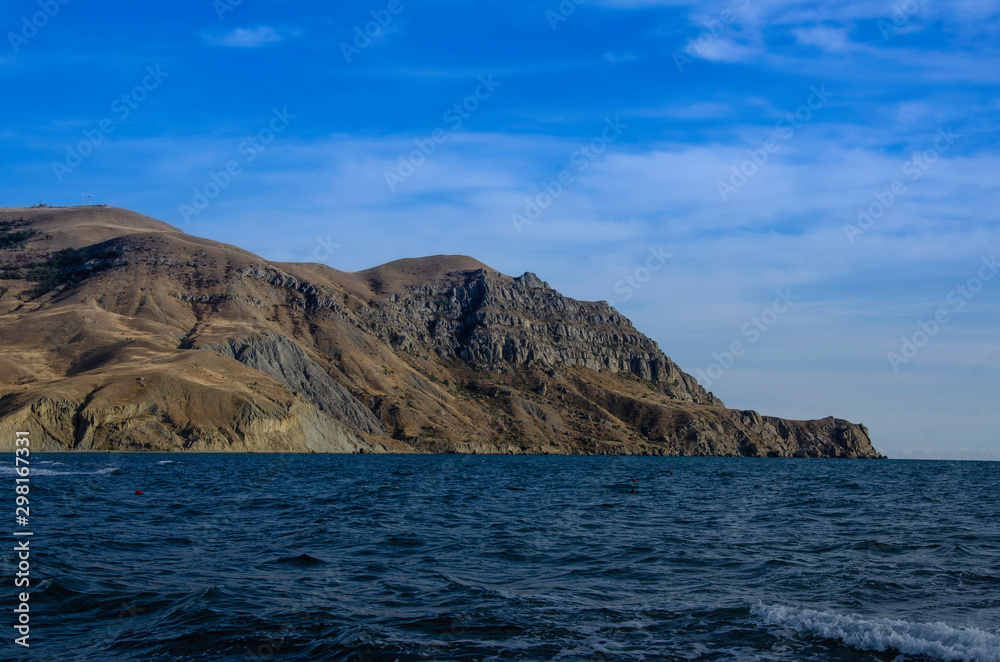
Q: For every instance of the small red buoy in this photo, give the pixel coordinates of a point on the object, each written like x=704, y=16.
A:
x=138, y=491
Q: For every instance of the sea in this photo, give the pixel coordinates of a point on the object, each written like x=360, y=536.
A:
x=239, y=557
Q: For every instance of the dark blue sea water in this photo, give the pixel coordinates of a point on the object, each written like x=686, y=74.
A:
x=383, y=558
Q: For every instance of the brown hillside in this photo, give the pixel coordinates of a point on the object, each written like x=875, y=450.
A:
x=123, y=333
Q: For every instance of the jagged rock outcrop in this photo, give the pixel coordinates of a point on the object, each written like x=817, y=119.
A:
x=123, y=333
x=492, y=321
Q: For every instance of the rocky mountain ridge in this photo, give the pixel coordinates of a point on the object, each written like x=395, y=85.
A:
x=124, y=333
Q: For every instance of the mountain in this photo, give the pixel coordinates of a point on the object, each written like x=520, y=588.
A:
x=121, y=332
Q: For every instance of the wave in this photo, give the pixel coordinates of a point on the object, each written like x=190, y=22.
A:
x=165, y=462
x=936, y=640
x=11, y=471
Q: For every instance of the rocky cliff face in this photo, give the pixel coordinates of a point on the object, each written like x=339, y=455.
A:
x=123, y=333
x=492, y=322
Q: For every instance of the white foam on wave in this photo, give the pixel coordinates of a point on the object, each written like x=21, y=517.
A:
x=165, y=462
x=12, y=471
x=937, y=640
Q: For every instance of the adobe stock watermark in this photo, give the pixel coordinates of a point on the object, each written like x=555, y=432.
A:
x=913, y=170
x=32, y=25
x=752, y=331
x=632, y=282
x=784, y=130
x=714, y=29
x=562, y=12
x=580, y=160
x=455, y=117
x=248, y=149
x=122, y=108
x=957, y=298
x=902, y=12
x=364, y=35
x=223, y=7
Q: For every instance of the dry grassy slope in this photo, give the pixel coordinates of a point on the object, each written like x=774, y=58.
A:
x=147, y=338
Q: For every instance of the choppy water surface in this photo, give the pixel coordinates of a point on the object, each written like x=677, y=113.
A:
x=252, y=557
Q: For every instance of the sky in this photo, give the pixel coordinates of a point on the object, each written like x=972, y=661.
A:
x=797, y=200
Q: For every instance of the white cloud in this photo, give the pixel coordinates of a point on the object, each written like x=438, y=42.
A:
x=834, y=40
x=759, y=29
x=722, y=50
x=244, y=38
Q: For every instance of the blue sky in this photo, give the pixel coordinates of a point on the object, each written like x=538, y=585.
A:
x=686, y=161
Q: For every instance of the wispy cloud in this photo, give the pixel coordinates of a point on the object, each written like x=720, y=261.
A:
x=244, y=38
x=834, y=40
x=723, y=50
